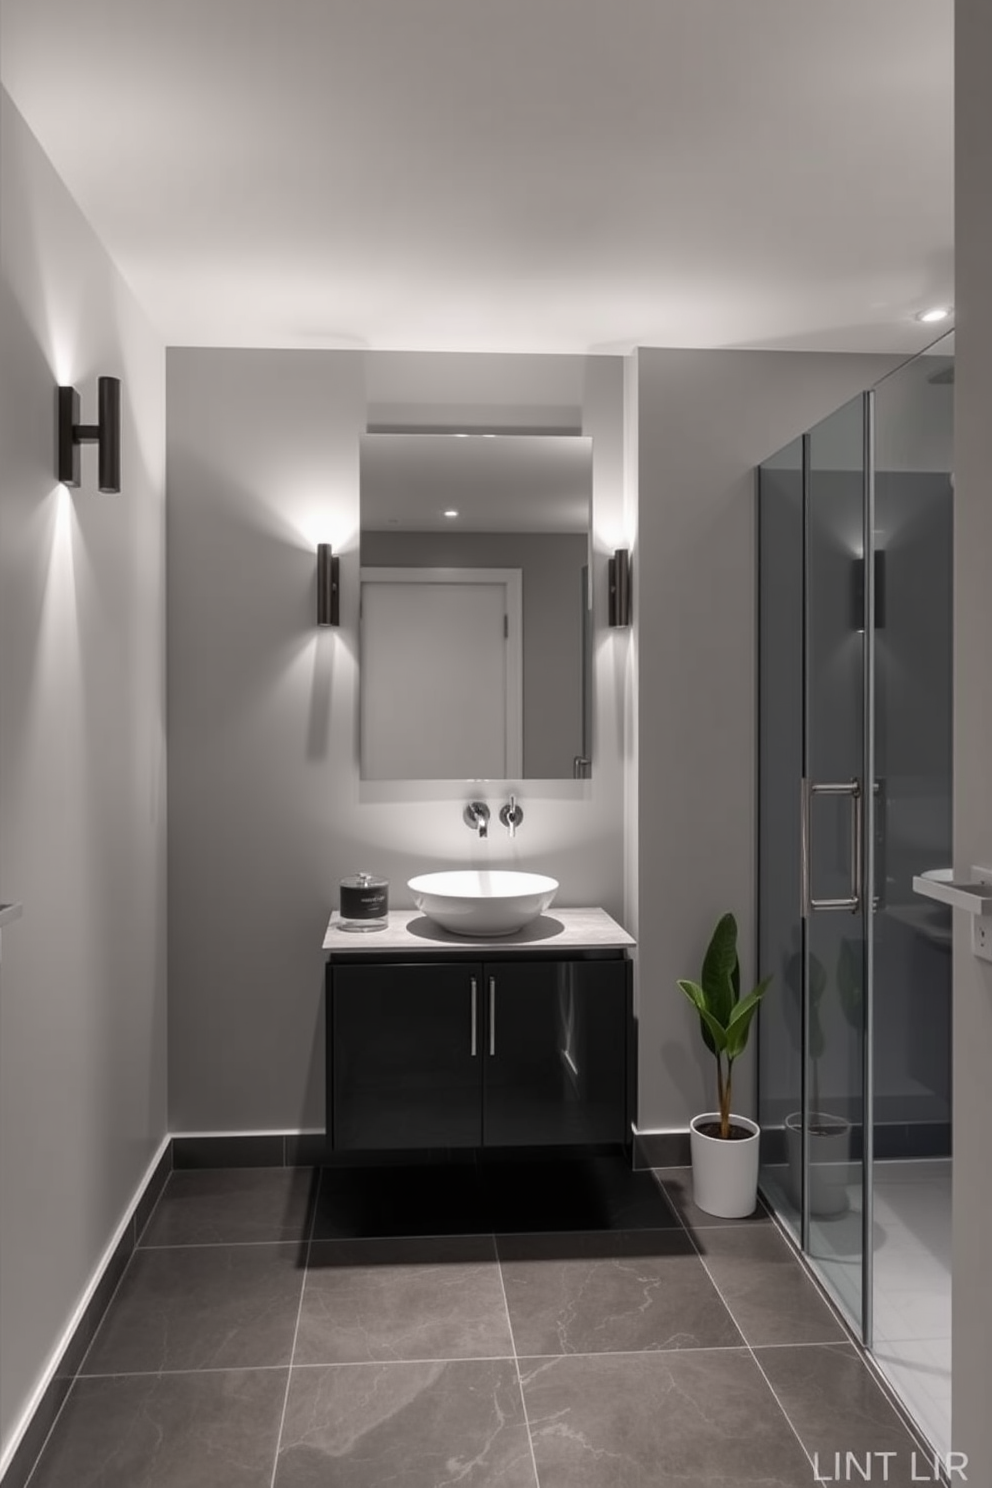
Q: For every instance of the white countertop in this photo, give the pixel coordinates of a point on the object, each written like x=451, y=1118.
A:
x=410, y=930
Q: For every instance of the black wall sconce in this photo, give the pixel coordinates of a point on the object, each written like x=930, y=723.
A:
x=328, y=571
x=858, y=592
x=620, y=605
x=106, y=433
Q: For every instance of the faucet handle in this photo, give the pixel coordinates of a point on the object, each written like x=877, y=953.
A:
x=511, y=815
x=476, y=816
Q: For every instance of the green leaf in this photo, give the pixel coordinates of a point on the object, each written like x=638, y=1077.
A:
x=713, y=1032
x=750, y=1001
x=697, y=997
x=740, y=1019
x=720, y=970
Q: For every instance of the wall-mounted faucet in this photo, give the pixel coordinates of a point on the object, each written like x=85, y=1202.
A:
x=511, y=815
x=476, y=816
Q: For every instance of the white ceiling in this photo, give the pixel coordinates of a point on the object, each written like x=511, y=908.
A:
x=506, y=175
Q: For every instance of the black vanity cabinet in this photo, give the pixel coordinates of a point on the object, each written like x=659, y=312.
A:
x=554, y=1071
x=502, y=1052
x=403, y=1048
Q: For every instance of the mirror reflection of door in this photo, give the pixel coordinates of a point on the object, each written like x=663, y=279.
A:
x=441, y=667
x=433, y=500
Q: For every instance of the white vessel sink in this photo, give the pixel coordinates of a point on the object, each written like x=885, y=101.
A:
x=482, y=902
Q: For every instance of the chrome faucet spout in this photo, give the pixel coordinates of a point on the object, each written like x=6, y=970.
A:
x=476, y=816
x=511, y=815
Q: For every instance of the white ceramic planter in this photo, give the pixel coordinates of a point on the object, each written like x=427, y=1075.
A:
x=724, y=1174
x=829, y=1162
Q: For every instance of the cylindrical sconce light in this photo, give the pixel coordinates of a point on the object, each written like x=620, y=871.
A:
x=328, y=568
x=620, y=605
x=106, y=434
x=109, y=438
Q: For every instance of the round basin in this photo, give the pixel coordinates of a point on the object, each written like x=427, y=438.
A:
x=470, y=902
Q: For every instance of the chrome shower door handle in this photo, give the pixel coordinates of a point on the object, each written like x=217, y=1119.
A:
x=852, y=789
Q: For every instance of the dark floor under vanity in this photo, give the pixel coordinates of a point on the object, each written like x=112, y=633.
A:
x=567, y=1324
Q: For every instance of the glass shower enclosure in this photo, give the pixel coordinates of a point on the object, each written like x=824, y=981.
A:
x=854, y=799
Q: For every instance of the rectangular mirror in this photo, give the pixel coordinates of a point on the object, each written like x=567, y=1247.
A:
x=476, y=627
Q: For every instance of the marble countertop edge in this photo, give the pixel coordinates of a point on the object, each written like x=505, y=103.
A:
x=411, y=930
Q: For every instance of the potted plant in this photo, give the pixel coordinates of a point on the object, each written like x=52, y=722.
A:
x=724, y=1146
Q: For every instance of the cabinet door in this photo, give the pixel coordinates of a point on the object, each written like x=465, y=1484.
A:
x=555, y=1053
x=405, y=1051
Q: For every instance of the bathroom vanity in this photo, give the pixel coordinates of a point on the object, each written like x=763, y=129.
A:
x=437, y=1040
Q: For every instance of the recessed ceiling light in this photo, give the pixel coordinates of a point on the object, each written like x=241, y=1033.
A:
x=451, y=513
x=938, y=312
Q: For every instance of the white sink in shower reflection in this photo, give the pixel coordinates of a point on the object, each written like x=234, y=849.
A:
x=482, y=901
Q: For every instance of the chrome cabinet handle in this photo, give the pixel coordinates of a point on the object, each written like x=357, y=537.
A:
x=492, y=1016
x=851, y=788
x=475, y=1017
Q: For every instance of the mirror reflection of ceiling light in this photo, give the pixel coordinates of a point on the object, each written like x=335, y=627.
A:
x=451, y=513
x=937, y=312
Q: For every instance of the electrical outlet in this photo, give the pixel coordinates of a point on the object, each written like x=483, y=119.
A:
x=981, y=937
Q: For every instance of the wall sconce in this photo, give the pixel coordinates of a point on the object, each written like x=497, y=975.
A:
x=328, y=571
x=620, y=605
x=858, y=592
x=106, y=433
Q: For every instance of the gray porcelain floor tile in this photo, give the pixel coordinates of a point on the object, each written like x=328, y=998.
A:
x=582, y=1293
x=771, y=1298
x=676, y=1184
x=232, y=1205
x=210, y=1307
x=673, y=1420
x=212, y=1430
x=407, y=1426
x=835, y=1405
x=380, y=1300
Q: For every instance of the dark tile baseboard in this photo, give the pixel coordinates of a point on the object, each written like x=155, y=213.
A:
x=248, y=1151
x=294, y=1150
x=311, y=1150
x=661, y=1149
x=22, y=1463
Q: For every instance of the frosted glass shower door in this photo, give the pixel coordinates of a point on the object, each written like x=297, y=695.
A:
x=815, y=843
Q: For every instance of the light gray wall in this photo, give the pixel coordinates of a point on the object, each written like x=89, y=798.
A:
x=706, y=420
x=267, y=811
x=82, y=769
x=972, y=1332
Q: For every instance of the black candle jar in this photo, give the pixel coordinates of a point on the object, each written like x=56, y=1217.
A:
x=364, y=902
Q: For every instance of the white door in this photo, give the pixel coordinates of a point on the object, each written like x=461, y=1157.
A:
x=441, y=674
